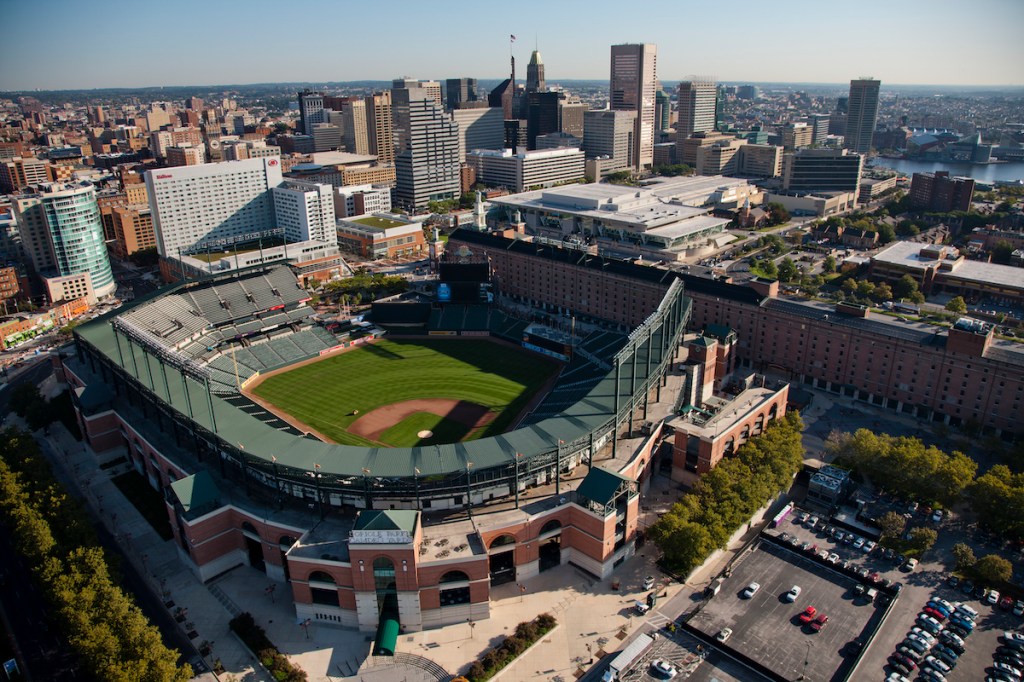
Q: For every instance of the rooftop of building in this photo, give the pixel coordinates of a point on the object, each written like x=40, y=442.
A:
x=376, y=222
x=909, y=255
x=709, y=424
x=341, y=158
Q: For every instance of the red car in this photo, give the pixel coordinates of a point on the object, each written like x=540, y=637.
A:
x=935, y=613
x=808, y=615
x=819, y=622
x=1006, y=603
x=905, y=660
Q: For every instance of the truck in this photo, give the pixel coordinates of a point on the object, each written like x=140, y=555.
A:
x=626, y=657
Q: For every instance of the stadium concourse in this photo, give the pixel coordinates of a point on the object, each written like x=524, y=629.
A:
x=383, y=539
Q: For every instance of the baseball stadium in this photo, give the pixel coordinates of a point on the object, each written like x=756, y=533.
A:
x=393, y=467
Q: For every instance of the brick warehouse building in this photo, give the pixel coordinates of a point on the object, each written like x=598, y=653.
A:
x=954, y=376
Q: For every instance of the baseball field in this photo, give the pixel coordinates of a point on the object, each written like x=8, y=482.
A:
x=399, y=393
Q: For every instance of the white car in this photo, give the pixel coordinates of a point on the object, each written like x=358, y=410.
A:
x=793, y=593
x=1013, y=637
x=938, y=664
x=1007, y=668
x=724, y=634
x=869, y=547
x=750, y=590
x=663, y=670
x=992, y=597
x=648, y=582
x=858, y=543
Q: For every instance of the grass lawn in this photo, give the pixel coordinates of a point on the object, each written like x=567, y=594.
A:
x=148, y=501
x=324, y=394
x=403, y=434
x=374, y=221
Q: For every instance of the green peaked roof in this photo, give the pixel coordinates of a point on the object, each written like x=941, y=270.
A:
x=197, y=493
x=387, y=519
x=717, y=331
x=600, y=485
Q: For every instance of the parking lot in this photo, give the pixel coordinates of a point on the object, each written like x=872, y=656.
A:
x=766, y=627
x=929, y=580
x=694, y=663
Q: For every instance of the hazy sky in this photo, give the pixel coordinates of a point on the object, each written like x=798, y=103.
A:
x=56, y=44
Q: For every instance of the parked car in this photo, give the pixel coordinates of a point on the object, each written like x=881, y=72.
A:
x=663, y=670
x=808, y=615
x=963, y=623
x=938, y=664
x=793, y=593
x=750, y=590
x=929, y=623
x=819, y=622
x=937, y=516
x=649, y=582
x=858, y=543
x=946, y=653
x=1013, y=637
x=952, y=581
x=915, y=644
x=910, y=565
x=905, y=660
x=833, y=558
x=869, y=547
x=840, y=536
x=1006, y=602
x=992, y=597
x=967, y=587
x=935, y=613
x=724, y=634
x=1018, y=608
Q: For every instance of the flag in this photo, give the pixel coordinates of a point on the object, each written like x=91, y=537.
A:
x=512, y=38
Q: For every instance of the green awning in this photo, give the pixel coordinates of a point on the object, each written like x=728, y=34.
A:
x=600, y=485
x=198, y=494
x=387, y=635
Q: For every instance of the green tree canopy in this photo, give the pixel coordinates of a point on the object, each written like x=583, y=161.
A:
x=788, y=270
x=993, y=569
x=957, y=305
x=964, y=556
x=829, y=266
x=892, y=524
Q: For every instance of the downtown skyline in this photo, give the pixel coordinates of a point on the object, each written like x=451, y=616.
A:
x=898, y=44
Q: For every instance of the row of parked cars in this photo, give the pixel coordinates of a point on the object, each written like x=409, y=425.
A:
x=989, y=596
x=935, y=643
x=1008, y=660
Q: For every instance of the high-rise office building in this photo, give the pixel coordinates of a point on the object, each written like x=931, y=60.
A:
x=570, y=116
x=21, y=172
x=862, y=114
x=662, y=110
x=379, y=127
x=541, y=115
x=403, y=91
x=697, y=105
x=479, y=129
x=427, y=166
x=797, y=136
x=311, y=110
x=304, y=211
x=525, y=170
x=610, y=134
x=819, y=122
x=633, y=83
x=822, y=170
x=460, y=91
x=62, y=234
x=535, y=74
x=212, y=205
x=355, y=135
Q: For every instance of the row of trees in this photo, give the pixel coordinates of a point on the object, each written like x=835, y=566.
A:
x=112, y=636
x=990, y=569
x=366, y=286
x=726, y=497
x=866, y=291
x=905, y=466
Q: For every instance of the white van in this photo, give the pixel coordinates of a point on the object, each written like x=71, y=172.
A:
x=964, y=609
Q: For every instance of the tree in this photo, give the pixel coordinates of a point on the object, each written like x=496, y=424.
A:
x=768, y=267
x=905, y=287
x=788, y=270
x=886, y=234
x=922, y=538
x=993, y=569
x=892, y=524
x=964, y=556
x=957, y=305
x=829, y=266
x=777, y=214
x=882, y=292
x=1001, y=252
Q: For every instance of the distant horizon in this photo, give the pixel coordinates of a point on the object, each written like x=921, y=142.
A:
x=229, y=42
x=224, y=86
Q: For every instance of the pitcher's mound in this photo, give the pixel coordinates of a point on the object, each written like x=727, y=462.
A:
x=425, y=434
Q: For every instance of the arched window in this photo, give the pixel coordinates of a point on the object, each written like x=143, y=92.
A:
x=321, y=577
x=550, y=526
x=730, y=446
x=503, y=540
x=326, y=596
x=773, y=412
x=384, y=573
x=745, y=433
x=454, y=595
x=454, y=577
x=759, y=424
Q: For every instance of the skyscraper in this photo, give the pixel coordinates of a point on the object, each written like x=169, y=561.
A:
x=662, y=110
x=355, y=136
x=62, y=233
x=311, y=110
x=427, y=165
x=459, y=91
x=379, y=127
x=541, y=115
x=863, y=112
x=610, y=134
x=535, y=74
x=697, y=98
x=634, y=81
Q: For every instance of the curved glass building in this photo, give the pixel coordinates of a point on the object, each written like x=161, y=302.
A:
x=76, y=234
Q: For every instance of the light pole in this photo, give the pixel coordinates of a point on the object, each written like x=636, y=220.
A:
x=366, y=487
x=807, y=659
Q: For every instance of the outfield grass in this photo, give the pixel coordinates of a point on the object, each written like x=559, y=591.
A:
x=325, y=394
